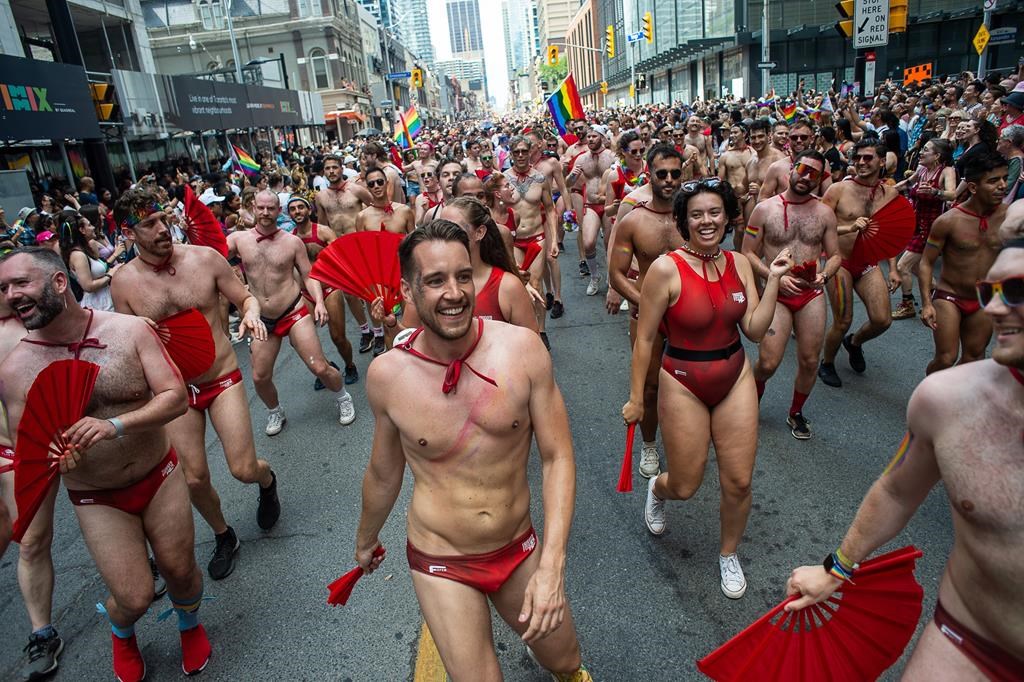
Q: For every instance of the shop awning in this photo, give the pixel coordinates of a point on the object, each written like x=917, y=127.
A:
x=354, y=116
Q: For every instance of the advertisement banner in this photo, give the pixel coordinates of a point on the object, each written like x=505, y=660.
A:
x=273, y=106
x=45, y=101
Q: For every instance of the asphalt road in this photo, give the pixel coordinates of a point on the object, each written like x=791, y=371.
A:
x=646, y=607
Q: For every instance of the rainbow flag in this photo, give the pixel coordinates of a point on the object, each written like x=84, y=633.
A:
x=408, y=127
x=245, y=162
x=789, y=112
x=565, y=104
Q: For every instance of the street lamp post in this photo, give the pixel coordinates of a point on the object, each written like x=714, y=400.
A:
x=234, y=46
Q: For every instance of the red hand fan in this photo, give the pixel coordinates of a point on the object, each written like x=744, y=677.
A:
x=625, y=484
x=887, y=235
x=201, y=225
x=854, y=635
x=189, y=342
x=56, y=400
x=530, y=254
x=363, y=264
x=807, y=271
x=341, y=589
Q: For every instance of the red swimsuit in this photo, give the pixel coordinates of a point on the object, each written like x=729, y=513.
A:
x=487, y=304
x=704, y=352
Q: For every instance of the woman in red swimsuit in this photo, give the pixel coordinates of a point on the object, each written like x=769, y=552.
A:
x=703, y=297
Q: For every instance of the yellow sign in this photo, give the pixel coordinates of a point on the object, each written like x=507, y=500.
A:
x=632, y=91
x=981, y=39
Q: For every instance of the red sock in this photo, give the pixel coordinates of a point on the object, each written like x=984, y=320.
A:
x=760, y=388
x=798, y=402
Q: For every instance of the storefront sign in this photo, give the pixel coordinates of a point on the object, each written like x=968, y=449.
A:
x=44, y=101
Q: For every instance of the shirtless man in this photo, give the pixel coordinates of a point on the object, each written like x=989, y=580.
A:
x=696, y=138
x=644, y=234
x=383, y=214
x=732, y=168
x=447, y=172
x=472, y=161
x=963, y=429
x=776, y=179
x=854, y=202
x=780, y=136
x=586, y=176
x=373, y=155
x=765, y=154
x=552, y=170
x=316, y=237
x=339, y=205
x=431, y=195
x=271, y=257
x=167, y=278
x=536, y=217
x=967, y=237
x=120, y=469
x=795, y=220
x=471, y=496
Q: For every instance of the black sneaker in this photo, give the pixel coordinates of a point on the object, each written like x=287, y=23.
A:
x=857, y=363
x=379, y=347
x=828, y=375
x=584, y=269
x=557, y=310
x=799, y=427
x=269, y=508
x=159, y=584
x=225, y=554
x=319, y=385
x=544, y=338
x=43, y=653
x=351, y=375
x=561, y=248
x=549, y=300
x=365, y=342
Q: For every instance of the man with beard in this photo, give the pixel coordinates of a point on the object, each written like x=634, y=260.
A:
x=271, y=257
x=795, y=220
x=854, y=202
x=644, y=234
x=732, y=168
x=472, y=466
x=967, y=237
x=383, y=214
x=120, y=469
x=964, y=429
x=167, y=278
x=780, y=136
x=339, y=205
x=776, y=179
x=590, y=166
x=536, y=218
x=765, y=154
x=552, y=170
x=316, y=237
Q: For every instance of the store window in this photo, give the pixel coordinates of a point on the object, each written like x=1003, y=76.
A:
x=211, y=14
x=318, y=65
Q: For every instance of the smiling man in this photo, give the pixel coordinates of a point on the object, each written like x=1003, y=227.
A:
x=471, y=539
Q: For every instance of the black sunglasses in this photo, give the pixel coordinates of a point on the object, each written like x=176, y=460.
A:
x=799, y=138
x=693, y=185
x=663, y=173
x=1010, y=290
x=375, y=183
x=636, y=151
x=427, y=174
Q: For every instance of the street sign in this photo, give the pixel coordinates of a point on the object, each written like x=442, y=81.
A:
x=768, y=65
x=385, y=103
x=1002, y=36
x=870, y=23
x=981, y=39
x=634, y=37
x=399, y=74
x=869, y=77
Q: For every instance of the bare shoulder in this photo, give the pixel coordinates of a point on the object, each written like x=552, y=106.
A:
x=949, y=399
x=742, y=264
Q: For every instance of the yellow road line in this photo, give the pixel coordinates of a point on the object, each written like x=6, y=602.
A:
x=429, y=667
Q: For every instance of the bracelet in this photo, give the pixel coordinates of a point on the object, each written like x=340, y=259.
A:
x=118, y=426
x=834, y=568
x=845, y=561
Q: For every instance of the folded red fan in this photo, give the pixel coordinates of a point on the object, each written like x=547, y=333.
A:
x=807, y=271
x=187, y=337
x=201, y=226
x=625, y=484
x=341, y=589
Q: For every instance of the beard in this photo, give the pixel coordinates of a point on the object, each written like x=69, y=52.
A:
x=449, y=330
x=47, y=307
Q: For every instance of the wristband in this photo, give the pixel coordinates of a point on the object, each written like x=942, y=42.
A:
x=118, y=426
x=834, y=567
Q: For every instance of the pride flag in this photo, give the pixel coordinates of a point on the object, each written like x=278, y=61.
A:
x=245, y=162
x=789, y=112
x=564, y=104
x=408, y=127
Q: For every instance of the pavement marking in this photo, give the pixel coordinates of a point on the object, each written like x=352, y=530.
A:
x=429, y=667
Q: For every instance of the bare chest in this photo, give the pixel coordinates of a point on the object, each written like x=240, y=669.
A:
x=266, y=258
x=655, y=237
x=794, y=224
x=858, y=202
x=160, y=295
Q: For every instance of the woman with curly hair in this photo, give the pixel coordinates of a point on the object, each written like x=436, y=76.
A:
x=81, y=253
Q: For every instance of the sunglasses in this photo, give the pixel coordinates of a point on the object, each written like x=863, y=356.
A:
x=864, y=157
x=636, y=151
x=663, y=173
x=375, y=183
x=1010, y=290
x=486, y=158
x=800, y=138
x=428, y=174
x=803, y=170
x=693, y=185
x=517, y=152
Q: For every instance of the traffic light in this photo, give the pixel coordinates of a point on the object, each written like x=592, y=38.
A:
x=104, y=101
x=898, y=16
x=609, y=41
x=648, y=27
x=844, y=26
x=604, y=87
x=417, y=78
x=552, y=55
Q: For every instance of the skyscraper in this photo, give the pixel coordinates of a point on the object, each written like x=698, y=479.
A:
x=464, y=27
x=415, y=29
x=521, y=40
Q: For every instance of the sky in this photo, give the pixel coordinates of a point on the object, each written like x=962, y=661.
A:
x=494, y=43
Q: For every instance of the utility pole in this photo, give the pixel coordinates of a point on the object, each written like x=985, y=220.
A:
x=766, y=53
x=987, y=22
x=234, y=46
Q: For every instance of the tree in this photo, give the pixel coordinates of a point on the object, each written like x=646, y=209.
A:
x=553, y=75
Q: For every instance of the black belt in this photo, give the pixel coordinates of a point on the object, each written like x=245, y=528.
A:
x=271, y=322
x=703, y=355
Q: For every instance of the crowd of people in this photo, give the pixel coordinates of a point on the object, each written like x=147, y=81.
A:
x=702, y=222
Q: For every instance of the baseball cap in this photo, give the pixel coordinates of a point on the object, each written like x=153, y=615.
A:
x=210, y=197
x=45, y=237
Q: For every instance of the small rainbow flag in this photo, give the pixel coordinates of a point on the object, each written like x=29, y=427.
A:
x=789, y=112
x=408, y=127
x=565, y=104
x=245, y=162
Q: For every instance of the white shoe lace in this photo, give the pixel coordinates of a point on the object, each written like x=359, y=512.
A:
x=655, y=509
x=732, y=574
x=649, y=463
x=346, y=409
x=275, y=422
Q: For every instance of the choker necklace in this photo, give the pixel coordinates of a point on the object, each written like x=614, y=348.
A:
x=700, y=254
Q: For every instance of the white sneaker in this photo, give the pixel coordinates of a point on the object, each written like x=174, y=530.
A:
x=654, y=510
x=733, y=582
x=275, y=422
x=649, y=465
x=346, y=409
x=592, y=287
